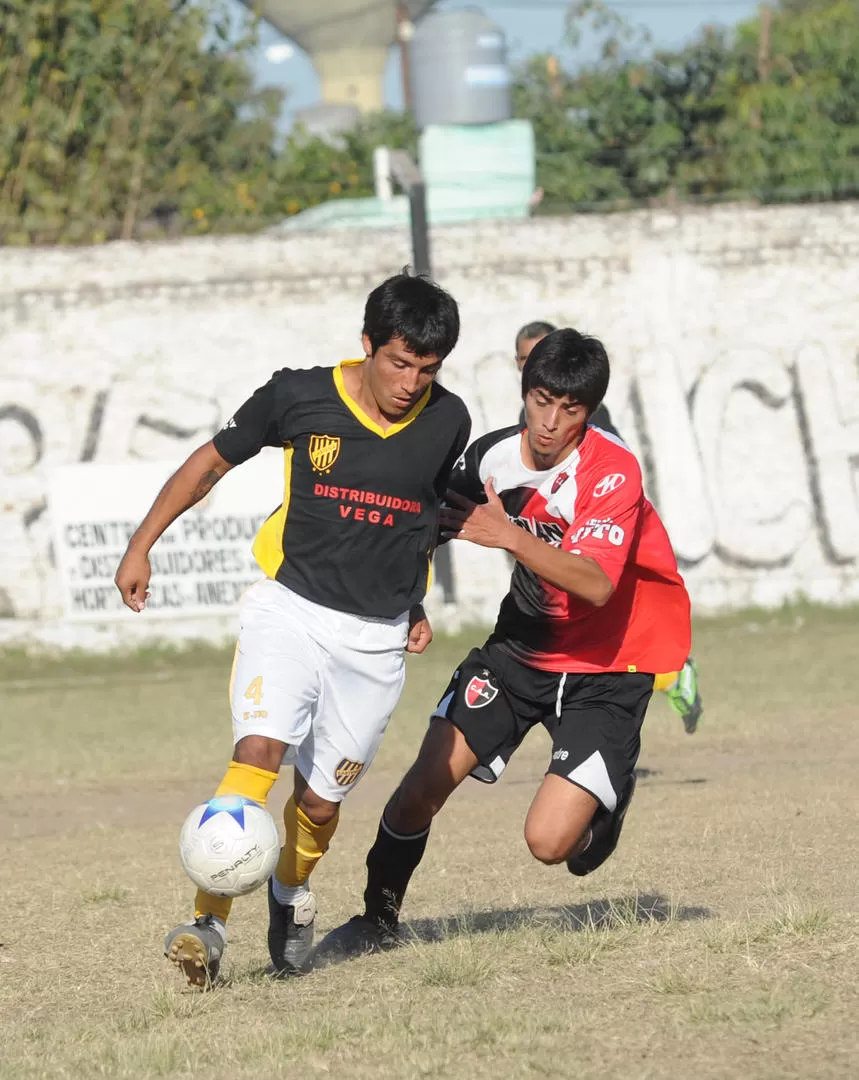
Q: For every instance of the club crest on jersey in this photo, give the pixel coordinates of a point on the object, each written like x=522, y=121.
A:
x=559, y=482
x=324, y=451
x=480, y=691
x=608, y=484
x=347, y=772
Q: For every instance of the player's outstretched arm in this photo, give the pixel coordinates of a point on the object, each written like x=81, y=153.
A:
x=575, y=574
x=489, y=526
x=188, y=485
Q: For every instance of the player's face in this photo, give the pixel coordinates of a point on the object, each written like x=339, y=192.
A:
x=396, y=377
x=523, y=350
x=555, y=426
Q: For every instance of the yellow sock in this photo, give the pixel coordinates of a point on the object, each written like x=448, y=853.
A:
x=304, y=845
x=251, y=783
x=666, y=681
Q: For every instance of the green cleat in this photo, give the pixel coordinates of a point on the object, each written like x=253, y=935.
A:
x=685, y=698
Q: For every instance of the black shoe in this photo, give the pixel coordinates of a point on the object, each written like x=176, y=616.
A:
x=360, y=936
x=605, y=833
x=290, y=934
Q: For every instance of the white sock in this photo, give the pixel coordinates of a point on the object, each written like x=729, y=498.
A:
x=289, y=894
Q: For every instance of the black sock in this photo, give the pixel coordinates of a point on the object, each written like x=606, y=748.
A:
x=391, y=861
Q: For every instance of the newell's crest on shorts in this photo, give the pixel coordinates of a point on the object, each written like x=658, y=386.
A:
x=324, y=451
x=347, y=772
x=480, y=691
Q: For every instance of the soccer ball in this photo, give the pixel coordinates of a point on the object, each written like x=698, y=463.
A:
x=229, y=845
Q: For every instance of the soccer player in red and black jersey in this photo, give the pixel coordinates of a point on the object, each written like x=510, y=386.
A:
x=596, y=607
x=680, y=687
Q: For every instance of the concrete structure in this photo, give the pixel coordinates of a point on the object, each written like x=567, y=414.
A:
x=459, y=70
x=471, y=173
x=732, y=333
x=347, y=40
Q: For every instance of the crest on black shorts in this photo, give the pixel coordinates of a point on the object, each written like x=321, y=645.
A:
x=324, y=451
x=347, y=772
x=480, y=691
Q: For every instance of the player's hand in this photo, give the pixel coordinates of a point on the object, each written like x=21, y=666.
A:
x=132, y=579
x=420, y=631
x=486, y=523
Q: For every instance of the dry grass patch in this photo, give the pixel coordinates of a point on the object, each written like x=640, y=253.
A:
x=719, y=942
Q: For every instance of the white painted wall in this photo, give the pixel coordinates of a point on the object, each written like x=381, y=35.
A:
x=732, y=333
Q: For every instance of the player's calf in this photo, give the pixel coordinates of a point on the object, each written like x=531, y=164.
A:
x=443, y=762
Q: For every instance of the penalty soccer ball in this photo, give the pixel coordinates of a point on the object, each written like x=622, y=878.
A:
x=229, y=845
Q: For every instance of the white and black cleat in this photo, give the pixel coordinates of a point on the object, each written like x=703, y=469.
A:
x=290, y=934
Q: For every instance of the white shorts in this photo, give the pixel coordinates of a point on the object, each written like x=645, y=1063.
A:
x=321, y=681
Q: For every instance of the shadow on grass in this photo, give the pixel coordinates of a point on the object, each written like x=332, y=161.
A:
x=607, y=914
x=598, y=915
x=649, y=775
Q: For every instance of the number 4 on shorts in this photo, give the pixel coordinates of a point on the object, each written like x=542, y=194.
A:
x=254, y=691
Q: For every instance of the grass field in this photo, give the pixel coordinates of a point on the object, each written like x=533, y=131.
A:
x=720, y=941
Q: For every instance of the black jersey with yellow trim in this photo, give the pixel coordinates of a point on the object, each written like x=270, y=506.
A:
x=357, y=525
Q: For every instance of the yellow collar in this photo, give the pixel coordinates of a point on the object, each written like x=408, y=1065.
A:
x=363, y=418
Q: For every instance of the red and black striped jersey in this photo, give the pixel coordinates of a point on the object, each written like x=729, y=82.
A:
x=591, y=504
x=358, y=522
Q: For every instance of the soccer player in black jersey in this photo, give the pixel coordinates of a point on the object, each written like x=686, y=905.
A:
x=368, y=447
x=680, y=687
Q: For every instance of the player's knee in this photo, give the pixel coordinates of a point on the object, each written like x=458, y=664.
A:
x=259, y=751
x=550, y=848
x=319, y=810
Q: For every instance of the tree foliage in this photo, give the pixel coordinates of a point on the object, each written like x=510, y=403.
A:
x=769, y=111
x=120, y=118
x=125, y=118
x=112, y=112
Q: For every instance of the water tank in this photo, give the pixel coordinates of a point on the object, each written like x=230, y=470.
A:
x=459, y=69
x=347, y=40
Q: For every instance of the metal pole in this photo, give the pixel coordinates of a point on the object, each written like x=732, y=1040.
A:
x=420, y=229
x=409, y=177
x=404, y=37
x=423, y=265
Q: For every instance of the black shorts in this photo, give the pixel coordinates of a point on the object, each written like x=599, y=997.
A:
x=594, y=720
